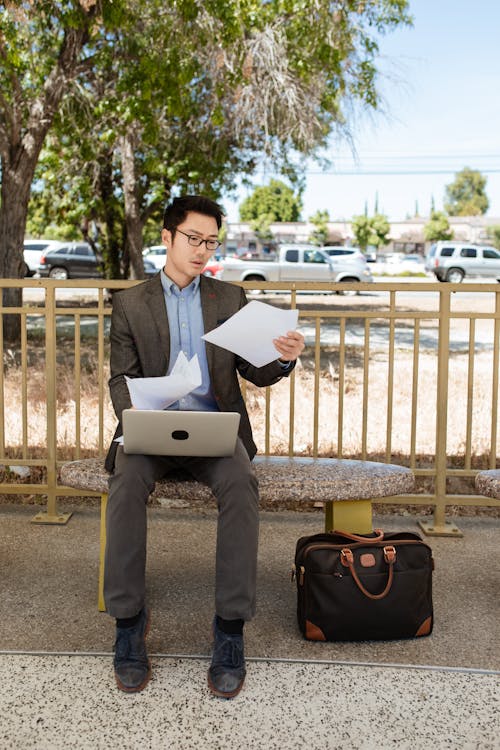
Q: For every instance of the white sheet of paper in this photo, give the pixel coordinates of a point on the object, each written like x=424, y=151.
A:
x=250, y=332
x=158, y=393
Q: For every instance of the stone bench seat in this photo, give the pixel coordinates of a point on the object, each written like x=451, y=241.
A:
x=283, y=482
x=488, y=483
x=346, y=487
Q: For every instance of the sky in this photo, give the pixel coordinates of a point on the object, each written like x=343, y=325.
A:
x=440, y=85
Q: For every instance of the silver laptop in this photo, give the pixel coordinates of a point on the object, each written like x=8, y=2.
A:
x=180, y=433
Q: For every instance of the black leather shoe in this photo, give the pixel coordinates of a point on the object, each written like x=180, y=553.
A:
x=227, y=671
x=132, y=667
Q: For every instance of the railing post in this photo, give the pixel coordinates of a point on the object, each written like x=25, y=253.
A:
x=51, y=515
x=439, y=526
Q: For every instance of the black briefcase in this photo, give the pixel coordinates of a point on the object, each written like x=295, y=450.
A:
x=355, y=587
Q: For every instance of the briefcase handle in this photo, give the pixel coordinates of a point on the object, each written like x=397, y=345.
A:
x=347, y=559
x=379, y=535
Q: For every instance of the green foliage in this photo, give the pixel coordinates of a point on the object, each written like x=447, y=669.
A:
x=438, y=228
x=320, y=234
x=372, y=230
x=274, y=202
x=494, y=235
x=466, y=195
x=361, y=227
x=380, y=230
x=203, y=89
x=261, y=228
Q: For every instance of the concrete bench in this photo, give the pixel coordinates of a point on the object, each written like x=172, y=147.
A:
x=488, y=483
x=347, y=489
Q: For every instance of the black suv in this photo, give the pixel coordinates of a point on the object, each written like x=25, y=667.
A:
x=76, y=260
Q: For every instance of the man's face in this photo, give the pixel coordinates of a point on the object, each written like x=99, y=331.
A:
x=185, y=261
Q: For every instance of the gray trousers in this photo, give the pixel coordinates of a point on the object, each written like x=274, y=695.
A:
x=234, y=484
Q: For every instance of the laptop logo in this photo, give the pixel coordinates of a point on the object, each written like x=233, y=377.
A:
x=180, y=435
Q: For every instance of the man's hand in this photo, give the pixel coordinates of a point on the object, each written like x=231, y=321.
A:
x=289, y=346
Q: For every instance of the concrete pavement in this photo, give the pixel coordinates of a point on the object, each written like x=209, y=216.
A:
x=56, y=665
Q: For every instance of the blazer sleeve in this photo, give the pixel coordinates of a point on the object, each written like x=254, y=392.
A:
x=124, y=358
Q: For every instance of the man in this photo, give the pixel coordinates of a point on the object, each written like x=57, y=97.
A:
x=151, y=323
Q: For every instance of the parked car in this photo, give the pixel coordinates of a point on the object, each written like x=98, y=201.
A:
x=412, y=263
x=399, y=263
x=33, y=250
x=344, y=253
x=158, y=253
x=298, y=263
x=76, y=260
x=452, y=261
x=214, y=268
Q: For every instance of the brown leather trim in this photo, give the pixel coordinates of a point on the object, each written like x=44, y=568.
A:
x=425, y=627
x=379, y=535
x=313, y=633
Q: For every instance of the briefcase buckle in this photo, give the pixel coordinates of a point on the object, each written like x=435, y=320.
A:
x=346, y=557
x=390, y=555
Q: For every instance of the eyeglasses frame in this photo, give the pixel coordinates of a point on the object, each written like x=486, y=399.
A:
x=198, y=241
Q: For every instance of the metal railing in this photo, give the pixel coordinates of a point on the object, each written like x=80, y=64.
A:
x=379, y=373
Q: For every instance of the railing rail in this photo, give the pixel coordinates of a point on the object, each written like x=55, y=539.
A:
x=455, y=336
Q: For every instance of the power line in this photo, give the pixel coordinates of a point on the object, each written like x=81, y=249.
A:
x=385, y=172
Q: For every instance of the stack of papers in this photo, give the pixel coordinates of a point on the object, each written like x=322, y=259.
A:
x=159, y=393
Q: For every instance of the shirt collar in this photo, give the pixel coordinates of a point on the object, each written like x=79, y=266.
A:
x=169, y=286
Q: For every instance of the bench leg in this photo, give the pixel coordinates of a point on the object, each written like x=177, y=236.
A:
x=354, y=516
x=100, y=598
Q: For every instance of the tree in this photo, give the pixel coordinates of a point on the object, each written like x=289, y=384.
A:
x=262, y=229
x=276, y=201
x=362, y=230
x=466, y=195
x=372, y=230
x=238, y=62
x=494, y=235
x=185, y=94
x=320, y=220
x=380, y=230
x=42, y=48
x=438, y=228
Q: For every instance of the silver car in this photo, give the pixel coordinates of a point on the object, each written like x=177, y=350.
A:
x=453, y=261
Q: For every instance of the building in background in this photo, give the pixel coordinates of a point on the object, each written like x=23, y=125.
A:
x=405, y=236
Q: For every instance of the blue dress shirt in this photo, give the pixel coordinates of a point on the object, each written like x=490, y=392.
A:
x=185, y=320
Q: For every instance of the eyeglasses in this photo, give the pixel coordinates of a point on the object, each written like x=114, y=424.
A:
x=195, y=241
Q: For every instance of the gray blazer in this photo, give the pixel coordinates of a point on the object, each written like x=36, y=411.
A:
x=140, y=348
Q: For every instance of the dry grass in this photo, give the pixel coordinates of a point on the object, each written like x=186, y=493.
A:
x=375, y=394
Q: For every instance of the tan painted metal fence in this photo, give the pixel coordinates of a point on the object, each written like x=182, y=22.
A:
x=403, y=373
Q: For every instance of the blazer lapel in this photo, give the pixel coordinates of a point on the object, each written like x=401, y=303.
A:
x=209, y=308
x=156, y=304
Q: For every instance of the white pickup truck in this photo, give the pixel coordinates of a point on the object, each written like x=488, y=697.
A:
x=297, y=263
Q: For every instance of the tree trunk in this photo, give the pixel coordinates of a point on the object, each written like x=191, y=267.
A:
x=113, y=239
x=133, y=220
x=13, y=211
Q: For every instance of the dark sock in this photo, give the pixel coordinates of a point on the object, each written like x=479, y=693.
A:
x=230, y=627
x=128, y=622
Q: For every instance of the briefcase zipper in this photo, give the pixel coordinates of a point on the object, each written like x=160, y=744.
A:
x=339, y=547
x=300, y=576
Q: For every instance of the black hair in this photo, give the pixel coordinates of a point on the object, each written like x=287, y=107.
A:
x=176, y=211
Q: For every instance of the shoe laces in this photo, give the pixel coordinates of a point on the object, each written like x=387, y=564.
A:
x=228, y=650
x=130, y=645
